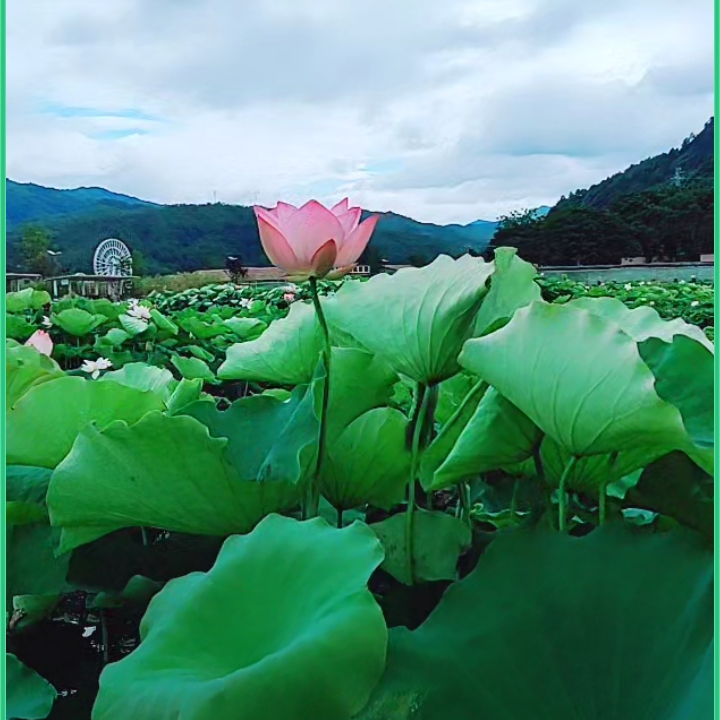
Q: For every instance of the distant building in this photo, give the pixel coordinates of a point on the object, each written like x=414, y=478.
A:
x=20, y=281
x=633, y=261
x=112, y=287
x=710, y=259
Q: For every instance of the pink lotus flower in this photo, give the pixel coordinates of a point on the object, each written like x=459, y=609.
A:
x=41, y=341
x=289, y=297
x=310, y=241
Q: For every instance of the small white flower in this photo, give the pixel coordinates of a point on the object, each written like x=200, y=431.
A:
x=140, y=312
x=246, y=303
x=628, y=286
x=682, y=282
x=652, y=302
x=642, y=282
x=46, y=321
x=93, y=367
x=694, y=303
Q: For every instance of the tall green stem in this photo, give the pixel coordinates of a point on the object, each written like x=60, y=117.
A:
x=313, y=504
x=561, y=492
x=417, y=422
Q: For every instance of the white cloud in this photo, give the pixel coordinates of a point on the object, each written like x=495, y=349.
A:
x=442, y=111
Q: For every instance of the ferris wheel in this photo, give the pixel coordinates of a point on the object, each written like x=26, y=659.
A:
x=112, y=257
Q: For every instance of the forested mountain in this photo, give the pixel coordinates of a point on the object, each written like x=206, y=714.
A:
x=172, y=238
x=691, y=162
x=660, y=209
x=28, y=202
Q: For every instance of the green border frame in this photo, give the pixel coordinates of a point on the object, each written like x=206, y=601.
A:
x=3, y=114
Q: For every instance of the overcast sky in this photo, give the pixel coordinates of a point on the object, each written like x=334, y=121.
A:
x=443, y=110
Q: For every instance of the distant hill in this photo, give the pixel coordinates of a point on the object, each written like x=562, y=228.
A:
x=27, y=202
x=172, y=238
x=691, y=162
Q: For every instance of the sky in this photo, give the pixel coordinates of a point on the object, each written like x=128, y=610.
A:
x=443, y=111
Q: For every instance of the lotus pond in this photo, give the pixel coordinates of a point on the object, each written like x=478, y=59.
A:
x=451, y=493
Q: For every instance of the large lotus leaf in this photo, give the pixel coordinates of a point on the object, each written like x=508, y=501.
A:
x=438, y=450
x=164, y=472
x=675, y=486
x=269, y=439
x=611, y=626
x=77, y=322
x=512, y=286
x=18, y=328
x=282, y=626
x=359, y=381
x=684, y=377
x=132, y=325
x=185, y=393
x=285, y=354
x=32, y=567
x=29, y=696
x=642, y=322
x=26, y=299
x=144, y=377
x=24, y=368
x=201, y=329
x=246, y=328
x=368, y=462
x=438, y=541
x=595, y=471
x=579, y=378
x=497, y=435
x=164, y=323
x=43, y=424
x=452, y=393
x=192, y=368
x=418, y=318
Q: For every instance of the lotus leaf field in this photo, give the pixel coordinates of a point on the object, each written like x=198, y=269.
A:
x=457, y=492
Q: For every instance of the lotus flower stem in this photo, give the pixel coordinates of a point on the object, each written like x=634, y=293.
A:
x=561, y=492
x=417, y=423
x=314, y=500
x=464, y=493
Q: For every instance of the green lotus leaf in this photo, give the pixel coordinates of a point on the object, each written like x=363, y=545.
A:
x=144, y=377
x=368, y=462
x=138, y=591
x=359, y=381
x=438, y=450
x=246, y=328
x=185, y=393
x=285, y=354
x=133, y=326
x=676, y=487
x=452, y=394
x=31, y=609
x=29, y=696
x=579, y=378
x=684, y=377
x=438, y=541
x=163, y=323
x=164, y=472
x=200, y=353
x=269, y=439
x=113, y=337
x=26, y=484
x=641, y=323
x=192, y=368
x=18, y=328
x=26, y=299
x=282, y=626
x=43, y=424
x=615, y=625
x=25, y=368
x=594, y=472
x=512, y=286
x=77, y=322
x=497, y=435
x=23, y=513
x=418, y=318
